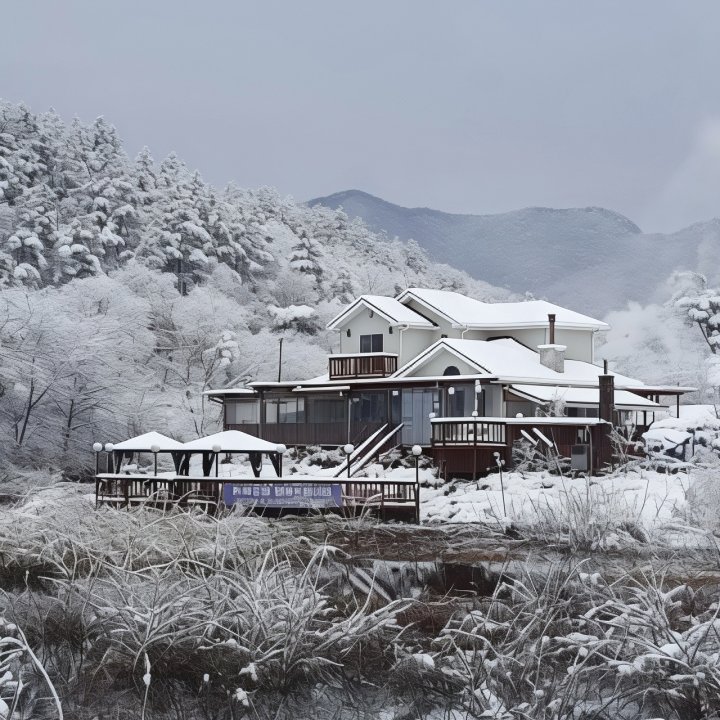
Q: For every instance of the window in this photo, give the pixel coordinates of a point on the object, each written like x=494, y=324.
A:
x=370, y=407
x=242, y=413
x=371, y=343
x=284, y=410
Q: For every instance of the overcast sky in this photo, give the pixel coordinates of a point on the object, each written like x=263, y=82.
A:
x=464, y=106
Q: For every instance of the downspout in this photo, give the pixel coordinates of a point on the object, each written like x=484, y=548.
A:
x=592, y=346
x=462, y=334
x=401, y=329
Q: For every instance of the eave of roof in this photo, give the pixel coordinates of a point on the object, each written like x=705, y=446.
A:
x=351, y=309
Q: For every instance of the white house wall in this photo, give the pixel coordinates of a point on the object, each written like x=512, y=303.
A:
x=437, y=364
x=579, y=344
x=363, y=324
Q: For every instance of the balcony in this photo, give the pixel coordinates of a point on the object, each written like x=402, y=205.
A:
x=364, y=365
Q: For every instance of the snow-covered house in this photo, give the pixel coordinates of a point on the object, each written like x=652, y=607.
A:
x=464, y=379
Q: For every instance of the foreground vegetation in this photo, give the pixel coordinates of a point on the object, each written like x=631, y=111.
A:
x=136, y=614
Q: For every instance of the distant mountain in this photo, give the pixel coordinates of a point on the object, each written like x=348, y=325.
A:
x=591, y=259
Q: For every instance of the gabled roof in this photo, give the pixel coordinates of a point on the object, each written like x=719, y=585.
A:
x=394, y=312
x=511, y=361
x=230, y=441
x=465, y=312
x=144, y=443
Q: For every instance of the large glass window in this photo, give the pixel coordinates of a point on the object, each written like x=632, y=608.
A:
x=245, y=412
x=371, y=343
x=285, y=410
x=370, y=407
x=327, y=410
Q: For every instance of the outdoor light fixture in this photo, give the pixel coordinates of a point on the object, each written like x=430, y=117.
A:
x=155, y=449
x=97, y=447
x=395, y=393
x=109, y=447
x=519, y=415
x=348, y=332
x=348, y=449
x=451, y=391
x=417, y=452
x=500, y=462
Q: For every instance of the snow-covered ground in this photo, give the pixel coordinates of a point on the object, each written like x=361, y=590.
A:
x=647, y=497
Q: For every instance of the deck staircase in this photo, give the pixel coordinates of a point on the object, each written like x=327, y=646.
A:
x=368, y=449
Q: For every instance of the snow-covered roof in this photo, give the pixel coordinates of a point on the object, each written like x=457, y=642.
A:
x=230, y=441
x=584, y=396
x=465, y=312
x=249, y=392
x=394, y=312
x=144, y=443
x=510, y=361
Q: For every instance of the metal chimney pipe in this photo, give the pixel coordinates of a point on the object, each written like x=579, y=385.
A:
x=605, y=367
x=551, y=322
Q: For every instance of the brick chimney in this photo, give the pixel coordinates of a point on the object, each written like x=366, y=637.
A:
x=606, y=385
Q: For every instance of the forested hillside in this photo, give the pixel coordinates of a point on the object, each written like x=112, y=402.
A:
x=128, y=287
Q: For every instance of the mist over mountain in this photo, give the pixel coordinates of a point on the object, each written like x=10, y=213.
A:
x=591, y=259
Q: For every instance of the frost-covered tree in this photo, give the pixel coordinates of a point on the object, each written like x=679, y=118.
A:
x=307, y=256
x=700, y=305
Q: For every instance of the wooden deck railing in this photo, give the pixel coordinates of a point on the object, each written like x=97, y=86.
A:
x=364, y=365
x=164, y=492
x=467, y=432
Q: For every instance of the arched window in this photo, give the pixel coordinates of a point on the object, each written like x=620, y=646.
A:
x=451, y=370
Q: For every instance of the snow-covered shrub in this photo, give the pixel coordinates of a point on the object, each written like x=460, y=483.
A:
x=593, y=518
x=566, y=644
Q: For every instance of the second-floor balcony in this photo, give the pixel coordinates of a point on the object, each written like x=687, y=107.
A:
x=362, y=365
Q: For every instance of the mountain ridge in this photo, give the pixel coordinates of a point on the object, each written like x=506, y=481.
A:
x=558, y=253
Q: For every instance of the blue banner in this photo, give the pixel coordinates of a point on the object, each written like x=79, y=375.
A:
x=284, y=495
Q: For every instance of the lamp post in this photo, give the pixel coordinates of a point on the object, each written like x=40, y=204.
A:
x=474, y=416
x=348, y=449
x=97, y=448
x=417, y=452
x=109, y=447
x=217, y=449
x=155, y=449
x=500, y=462
x=280, y=449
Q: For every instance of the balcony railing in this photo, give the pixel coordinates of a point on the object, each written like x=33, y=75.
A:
x=467, y=432
x=365, y=365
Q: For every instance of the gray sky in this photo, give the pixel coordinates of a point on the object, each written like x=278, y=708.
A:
x=463, y=105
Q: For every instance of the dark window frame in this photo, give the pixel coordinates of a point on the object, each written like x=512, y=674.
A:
x=372, y=342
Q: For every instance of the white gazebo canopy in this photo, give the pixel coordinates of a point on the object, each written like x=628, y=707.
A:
x=146, y=442
x=230, y=441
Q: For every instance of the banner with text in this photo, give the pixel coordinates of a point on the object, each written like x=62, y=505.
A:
x=284, y=495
